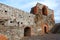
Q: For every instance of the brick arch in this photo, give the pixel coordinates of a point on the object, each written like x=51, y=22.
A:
x=3, y=37
x=27, y=31
x=45, y=29
x=44, y=10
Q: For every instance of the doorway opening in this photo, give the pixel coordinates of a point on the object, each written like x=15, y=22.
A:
x=45, y=30
x=27, y=31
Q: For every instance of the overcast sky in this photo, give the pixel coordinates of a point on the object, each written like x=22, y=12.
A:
x=26, y=5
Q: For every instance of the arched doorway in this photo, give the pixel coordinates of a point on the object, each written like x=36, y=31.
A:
x=44, y=10
x=45, y=30
x=27, y=31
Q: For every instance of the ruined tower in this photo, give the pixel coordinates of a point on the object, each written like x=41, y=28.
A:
x=44, y=17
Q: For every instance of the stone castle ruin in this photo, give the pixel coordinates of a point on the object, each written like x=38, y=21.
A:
x=15, y=23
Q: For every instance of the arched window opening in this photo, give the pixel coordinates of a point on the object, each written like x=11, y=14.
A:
x=44, y=10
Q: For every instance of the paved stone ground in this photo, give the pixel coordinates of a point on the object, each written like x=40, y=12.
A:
x=43, y=37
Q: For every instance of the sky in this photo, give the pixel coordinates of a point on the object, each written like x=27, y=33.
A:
x=26, y=5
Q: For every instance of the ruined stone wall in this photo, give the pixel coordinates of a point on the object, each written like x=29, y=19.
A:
x=13, y=21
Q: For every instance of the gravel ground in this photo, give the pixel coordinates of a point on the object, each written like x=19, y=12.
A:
x=43, y=37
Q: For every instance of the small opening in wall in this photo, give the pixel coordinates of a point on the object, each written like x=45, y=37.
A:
x=11, y=21
x=2, y=23
x=21, y=22
x=18, y=22
x=5, y=11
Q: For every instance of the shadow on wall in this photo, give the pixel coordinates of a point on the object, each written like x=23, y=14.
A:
x=56, y=28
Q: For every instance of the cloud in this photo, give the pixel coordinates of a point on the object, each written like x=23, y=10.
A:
x=57, y=18
x=51, y=3
x=29, y=5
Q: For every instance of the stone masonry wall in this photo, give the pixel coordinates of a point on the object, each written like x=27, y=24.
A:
x=43, y=20
x=13, y=21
